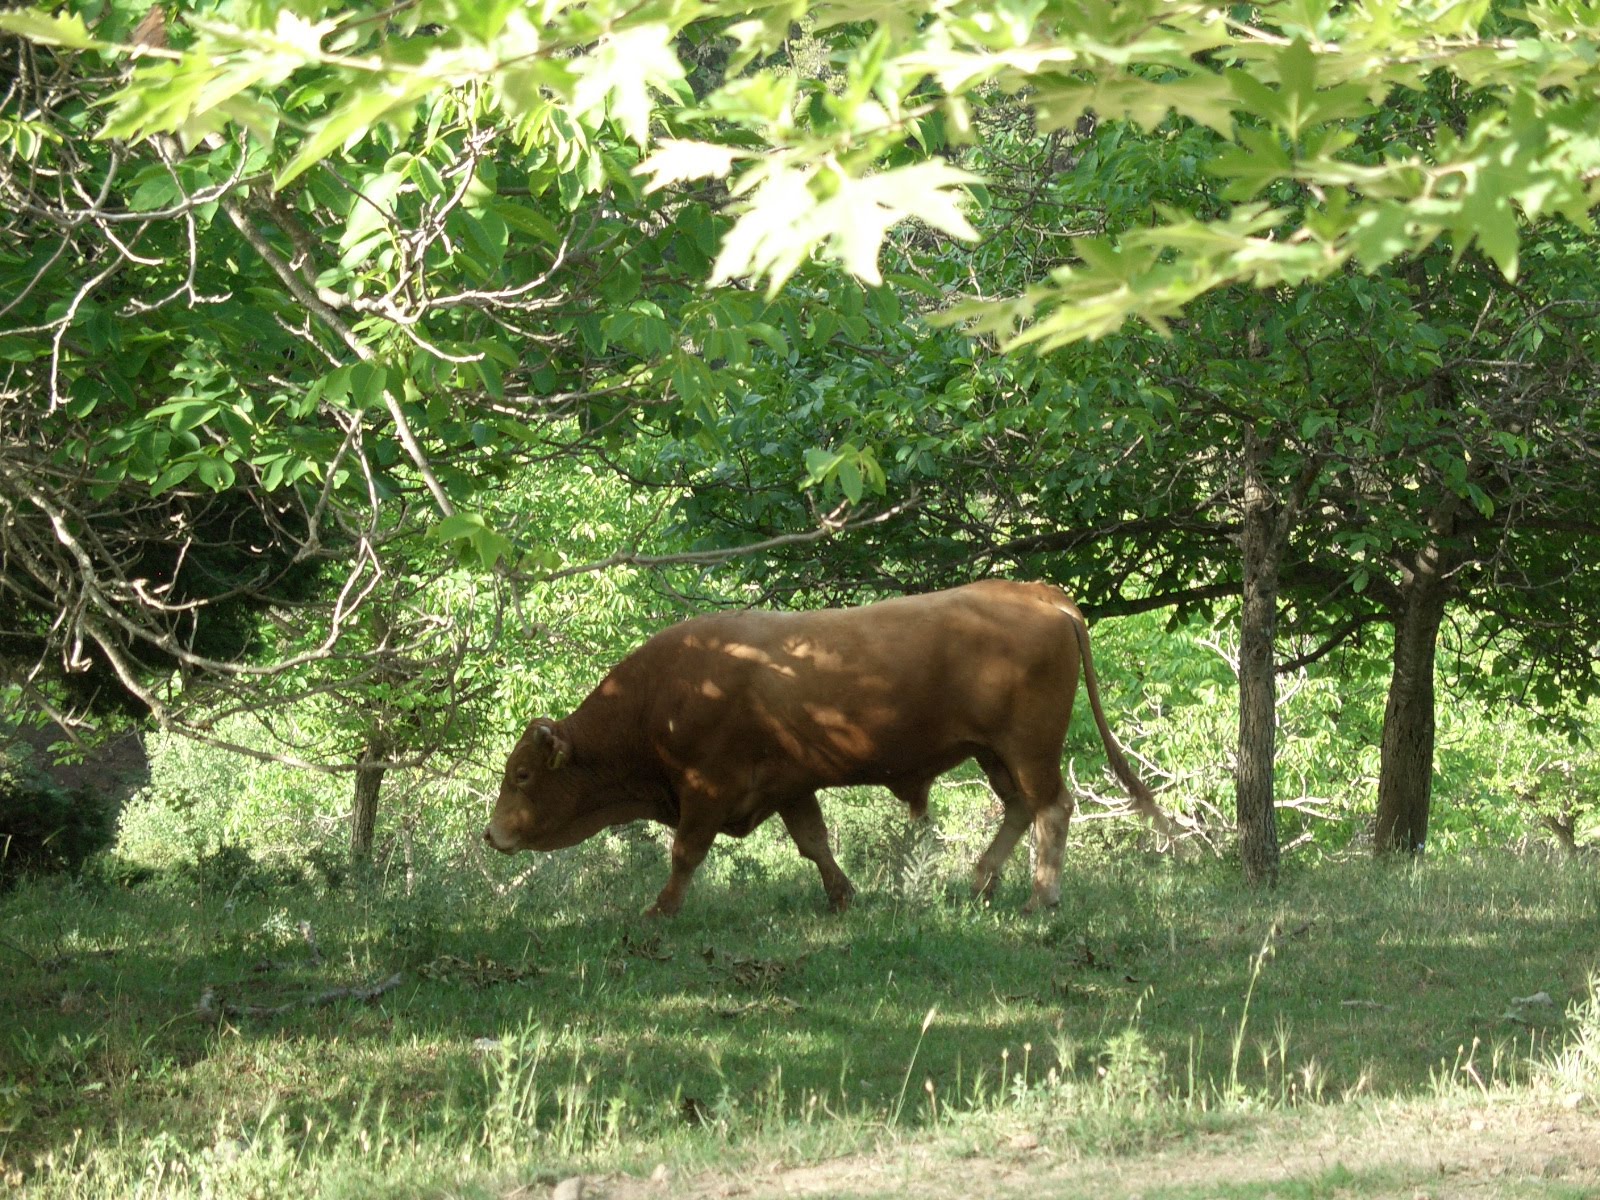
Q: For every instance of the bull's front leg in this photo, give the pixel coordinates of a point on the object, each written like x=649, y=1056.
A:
x=690, y=843
x=803, y=819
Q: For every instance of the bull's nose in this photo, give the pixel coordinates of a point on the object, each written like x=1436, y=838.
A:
x=493, y=842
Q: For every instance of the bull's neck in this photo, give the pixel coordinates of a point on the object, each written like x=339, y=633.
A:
x=610, y=746
x=608, y=727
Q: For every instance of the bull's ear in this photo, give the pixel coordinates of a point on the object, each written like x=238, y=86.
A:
x=555, y=748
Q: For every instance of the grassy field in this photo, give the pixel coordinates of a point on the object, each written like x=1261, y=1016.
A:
x=233, y=1032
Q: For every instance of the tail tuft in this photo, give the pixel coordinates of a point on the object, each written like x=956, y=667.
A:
x=1144, y=801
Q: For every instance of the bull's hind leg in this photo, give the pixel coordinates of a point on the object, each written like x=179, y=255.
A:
x=986, y=872
x=1050, y=842
x=1031, y=791
x=803, y=819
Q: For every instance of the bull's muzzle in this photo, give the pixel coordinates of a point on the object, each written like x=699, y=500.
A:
x=495, y=843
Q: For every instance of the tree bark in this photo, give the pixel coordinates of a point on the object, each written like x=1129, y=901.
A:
x=364, y=809
x=1258, y=721
x=1405, y=772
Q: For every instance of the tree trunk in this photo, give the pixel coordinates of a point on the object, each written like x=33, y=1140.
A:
x=1405, y=773
x=364, y=810
x=1258, y=721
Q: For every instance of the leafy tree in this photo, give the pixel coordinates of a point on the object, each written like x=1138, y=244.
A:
x=1281, y=93
x=1120, y=468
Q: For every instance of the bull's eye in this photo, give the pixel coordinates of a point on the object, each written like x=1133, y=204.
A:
x=522, y=775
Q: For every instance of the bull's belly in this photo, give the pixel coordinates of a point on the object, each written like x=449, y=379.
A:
x=826, y=767
x=893, y=772
x=746, y=775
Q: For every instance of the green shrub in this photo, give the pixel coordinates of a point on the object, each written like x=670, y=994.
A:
x=45, y=827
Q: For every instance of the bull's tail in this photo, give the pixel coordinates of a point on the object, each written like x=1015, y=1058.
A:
x=1143, y=801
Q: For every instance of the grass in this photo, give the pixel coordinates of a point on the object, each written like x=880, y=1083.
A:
x=550, y=1029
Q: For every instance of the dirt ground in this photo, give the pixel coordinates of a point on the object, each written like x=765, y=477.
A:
x=1381, y=1150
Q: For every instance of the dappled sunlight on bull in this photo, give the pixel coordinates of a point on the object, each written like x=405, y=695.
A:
x=718, y=723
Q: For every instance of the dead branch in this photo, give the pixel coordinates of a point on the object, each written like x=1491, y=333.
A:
x=212, y=1011
x=1117, y=807
x=834, y=524
x=311, y=941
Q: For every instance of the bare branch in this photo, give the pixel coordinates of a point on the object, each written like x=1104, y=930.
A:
x=836, y=523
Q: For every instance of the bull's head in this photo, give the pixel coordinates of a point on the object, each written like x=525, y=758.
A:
x=535, y=807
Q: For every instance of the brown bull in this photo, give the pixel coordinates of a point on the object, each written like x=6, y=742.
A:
x=717, y=723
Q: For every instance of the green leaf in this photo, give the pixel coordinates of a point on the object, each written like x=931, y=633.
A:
x=1381, y=232
x=373, y=207
x=38, y=25
x=821, y=464
x=1257, y=162
x=525, y=219
x=784, y=218
x=489, y=236
x=620, y=284
x=1297, y=73
x=360, y=110
x=1314, y=423
x=173, y=476
x=457, y=525
x=850, y=480
x=471, y=533
x=483, y=19
x=157, y=189
x=492, y=377
x=215, y=473
x=368, y=383
x=272, y=471
x=1257, y=98
x=570, y=188
x=676, y=160
x=1487, y=217
x=618, y=75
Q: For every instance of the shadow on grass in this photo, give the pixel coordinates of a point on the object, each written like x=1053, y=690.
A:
x=557, y=1008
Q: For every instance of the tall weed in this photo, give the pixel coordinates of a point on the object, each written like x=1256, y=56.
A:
x=1574, y=1068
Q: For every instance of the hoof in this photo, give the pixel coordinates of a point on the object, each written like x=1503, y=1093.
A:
x=841, y=900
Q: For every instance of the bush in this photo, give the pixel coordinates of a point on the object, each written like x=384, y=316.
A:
x=45, y=827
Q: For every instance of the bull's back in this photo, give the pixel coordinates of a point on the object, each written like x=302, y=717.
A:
x=858, y=695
